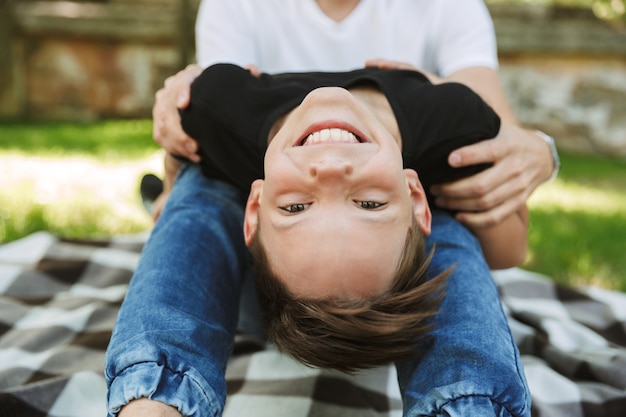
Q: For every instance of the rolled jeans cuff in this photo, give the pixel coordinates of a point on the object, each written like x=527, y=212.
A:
x=188, y=392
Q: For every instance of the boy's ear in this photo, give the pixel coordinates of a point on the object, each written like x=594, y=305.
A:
x=421, y=210
x=251, y=216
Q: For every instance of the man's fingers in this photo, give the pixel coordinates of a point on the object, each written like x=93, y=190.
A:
x=491, y=217
x=191, y=149
x=176, y=88
x=166, y=129
x=168, y=133
x=184, y=146
x=183, y=98
x=511, y=169
x=472, y=187
x=490, y=196
x=170, y=81
x=387, y=64
x=481, y=192
x=254, y=70
x=486, y=151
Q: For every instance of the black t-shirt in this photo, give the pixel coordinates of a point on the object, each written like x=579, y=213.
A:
x=231, y=113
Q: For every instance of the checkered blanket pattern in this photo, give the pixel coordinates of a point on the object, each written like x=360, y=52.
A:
x=59, y=300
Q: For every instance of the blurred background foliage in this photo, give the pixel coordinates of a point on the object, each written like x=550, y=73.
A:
x=614, y=10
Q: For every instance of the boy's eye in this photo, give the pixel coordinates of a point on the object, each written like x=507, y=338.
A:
x=370, y=205
x=295, y=208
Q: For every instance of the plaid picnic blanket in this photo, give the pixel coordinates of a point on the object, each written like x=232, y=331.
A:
x=59, y=300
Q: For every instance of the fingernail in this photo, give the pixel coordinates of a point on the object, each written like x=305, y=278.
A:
x=455, y=159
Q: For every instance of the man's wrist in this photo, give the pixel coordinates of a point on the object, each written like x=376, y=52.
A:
x=556, y=161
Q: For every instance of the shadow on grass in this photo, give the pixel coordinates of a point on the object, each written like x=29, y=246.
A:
x=578, y=247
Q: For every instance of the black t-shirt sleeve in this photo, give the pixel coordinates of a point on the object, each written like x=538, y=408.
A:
x=434, y=120
x=231, y=113
x=226, y=125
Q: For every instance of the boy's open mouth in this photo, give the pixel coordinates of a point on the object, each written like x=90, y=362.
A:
x=332, y=135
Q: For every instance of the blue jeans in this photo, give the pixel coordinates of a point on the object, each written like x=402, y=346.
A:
x=176, y=327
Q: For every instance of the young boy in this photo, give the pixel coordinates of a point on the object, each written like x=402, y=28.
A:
x=189, y=280
x=341, y=269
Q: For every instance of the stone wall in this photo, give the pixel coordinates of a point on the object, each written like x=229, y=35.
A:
x=85, y=60
x=581, y=102
x=565, y=73
x=564, y=70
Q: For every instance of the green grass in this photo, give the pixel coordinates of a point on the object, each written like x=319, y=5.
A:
x=120, y=139
x=98, y=206
x=84, y=215
x=578, y=222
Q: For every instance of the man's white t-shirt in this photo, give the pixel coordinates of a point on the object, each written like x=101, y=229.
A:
x=438, y=36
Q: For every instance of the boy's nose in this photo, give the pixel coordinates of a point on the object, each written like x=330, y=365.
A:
x=330, y=169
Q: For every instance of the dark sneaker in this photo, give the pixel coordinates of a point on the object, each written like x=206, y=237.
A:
x=151, y=187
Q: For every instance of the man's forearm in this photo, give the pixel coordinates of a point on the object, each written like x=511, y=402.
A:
x=505, y=244
x=171, y=165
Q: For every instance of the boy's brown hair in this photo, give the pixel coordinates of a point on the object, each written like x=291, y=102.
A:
x=349, y=335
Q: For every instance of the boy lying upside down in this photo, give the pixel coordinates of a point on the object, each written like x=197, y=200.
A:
x=337, y=214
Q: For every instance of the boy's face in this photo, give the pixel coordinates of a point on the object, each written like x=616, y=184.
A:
x=336, y=204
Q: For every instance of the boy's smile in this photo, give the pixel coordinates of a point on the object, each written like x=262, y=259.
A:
x=335, y=204
x=330, y=135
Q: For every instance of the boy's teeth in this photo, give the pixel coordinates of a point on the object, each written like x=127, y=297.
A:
x=332, y=135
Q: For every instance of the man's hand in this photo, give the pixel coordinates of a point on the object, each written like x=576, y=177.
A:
x=521, y=159
x=166, y=129
x=144, y=407
x=254, y=70
x=521, y=162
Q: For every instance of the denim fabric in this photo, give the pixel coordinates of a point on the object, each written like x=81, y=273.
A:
x=176, y=326
x=472, y=367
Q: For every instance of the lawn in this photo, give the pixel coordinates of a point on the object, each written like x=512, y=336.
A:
x=79, y=181
x=578, y=223
x=82, y=181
